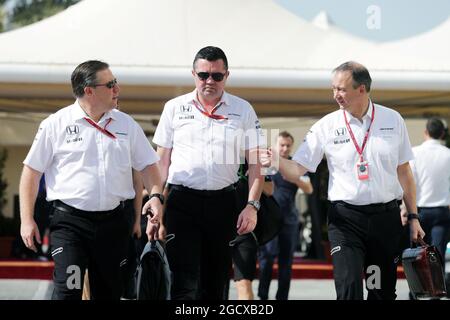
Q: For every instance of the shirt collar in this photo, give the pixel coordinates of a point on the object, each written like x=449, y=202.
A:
x=224, y=99
x=368, y=113
x=78, y=113
x=111, y=114
x=432, y=141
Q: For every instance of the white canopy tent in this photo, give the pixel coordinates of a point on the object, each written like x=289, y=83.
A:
x=279, y=62
x=152, y=42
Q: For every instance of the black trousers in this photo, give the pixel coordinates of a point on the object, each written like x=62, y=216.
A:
x=365, y=243
x=199, y=255
x=435, y=221
x=94, y=240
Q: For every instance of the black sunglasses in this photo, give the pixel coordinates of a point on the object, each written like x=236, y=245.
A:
x=110, y=84
x=217, y=76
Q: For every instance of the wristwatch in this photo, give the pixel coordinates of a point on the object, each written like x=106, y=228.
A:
x=255, y=203
x=157, y=195
x=412, y=216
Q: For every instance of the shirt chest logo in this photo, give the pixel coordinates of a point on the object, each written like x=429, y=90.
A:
x=185, y=109
x=72, y=129
x=72, y=132
x=185, y=113
x=341, y=141
x=340, y=132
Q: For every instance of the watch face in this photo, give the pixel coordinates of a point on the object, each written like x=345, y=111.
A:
x=255, y=203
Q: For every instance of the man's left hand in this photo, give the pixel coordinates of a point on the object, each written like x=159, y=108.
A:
x=415, y=230
x=153, y=208
x=247, y=220
x=152, y=230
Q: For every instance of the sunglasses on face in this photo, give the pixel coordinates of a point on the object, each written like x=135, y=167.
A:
x=110, y=84
x=217, y=76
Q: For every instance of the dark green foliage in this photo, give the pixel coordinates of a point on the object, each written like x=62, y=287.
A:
x=26, y=12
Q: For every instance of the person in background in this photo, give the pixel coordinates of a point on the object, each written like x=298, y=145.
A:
x=431, y=169
x=283, y=245
x=245, y=246
x=129, y=269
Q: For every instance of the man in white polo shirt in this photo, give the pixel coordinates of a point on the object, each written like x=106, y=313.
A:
x=368, y=152
x=431, y=169
x=87, y=151
x=199, y=137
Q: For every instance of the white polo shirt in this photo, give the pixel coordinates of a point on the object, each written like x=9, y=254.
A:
x=85, y=168
x=431, y=169
x=388, y=147
x=206, y=152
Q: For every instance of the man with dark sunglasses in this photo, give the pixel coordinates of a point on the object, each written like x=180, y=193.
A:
x=199, y=137
x=87, y=152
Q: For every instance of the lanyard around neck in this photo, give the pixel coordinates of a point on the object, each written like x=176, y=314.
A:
x=103, y=130
x=210, y=115
x=366, y=137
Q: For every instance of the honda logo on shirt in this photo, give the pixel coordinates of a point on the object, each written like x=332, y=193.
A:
x=184, y=108
x=73, y=129
x=340, y=132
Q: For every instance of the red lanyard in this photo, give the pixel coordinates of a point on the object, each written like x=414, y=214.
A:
x=211, y=115
x=103, y=130
x=366, y=137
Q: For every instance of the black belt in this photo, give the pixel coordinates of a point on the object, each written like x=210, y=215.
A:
x=371, y=208
x=205, y=193
x=61, y=206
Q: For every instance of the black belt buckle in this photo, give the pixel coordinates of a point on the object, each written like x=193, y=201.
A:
x=61, y=206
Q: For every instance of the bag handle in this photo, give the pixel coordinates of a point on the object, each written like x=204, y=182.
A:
x=169, y=237
x=420, y=241
x=236, y=240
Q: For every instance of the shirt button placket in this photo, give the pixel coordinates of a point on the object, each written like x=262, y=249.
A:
x=101, y=168
x=210, y=158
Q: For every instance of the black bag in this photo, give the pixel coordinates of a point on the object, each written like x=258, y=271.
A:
x=424, y=272
x=153, y=277
x=270, y=220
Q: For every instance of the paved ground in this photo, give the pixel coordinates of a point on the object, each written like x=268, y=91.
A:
x=300, y=290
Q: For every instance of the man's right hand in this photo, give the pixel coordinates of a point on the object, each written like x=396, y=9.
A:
x=266, y=157
x=29, y=231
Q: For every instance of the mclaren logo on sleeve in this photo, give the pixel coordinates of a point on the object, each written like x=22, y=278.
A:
x=306, y=136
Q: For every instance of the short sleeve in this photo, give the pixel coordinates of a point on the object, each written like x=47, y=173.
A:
x=142, y=153
x=254, y=134
x=164, y=132
x=405, y=152
x=41, y=152
x=311, y=151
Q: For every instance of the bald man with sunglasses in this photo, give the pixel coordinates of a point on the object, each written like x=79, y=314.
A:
x=87, y=152
x=199, y=138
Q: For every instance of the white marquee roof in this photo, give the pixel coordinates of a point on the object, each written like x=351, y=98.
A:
x=152, y=42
